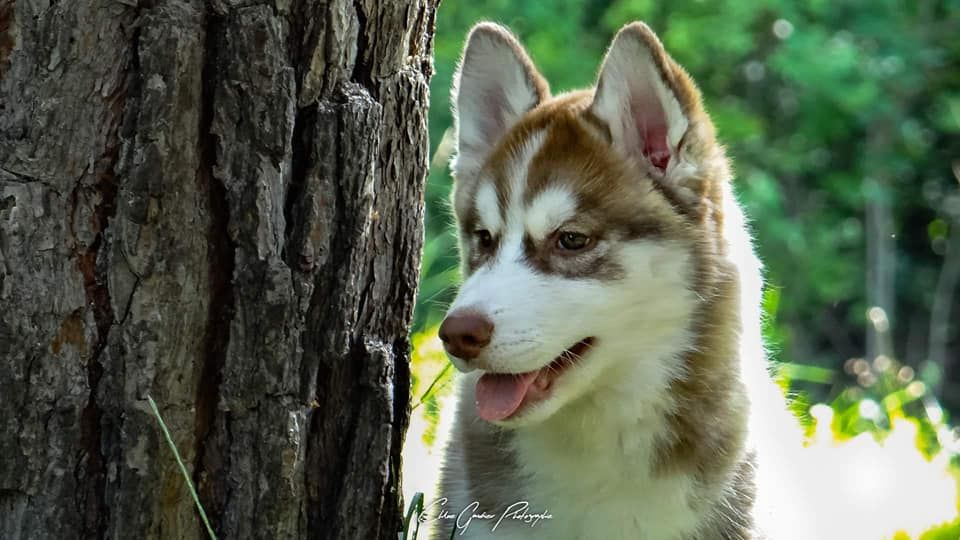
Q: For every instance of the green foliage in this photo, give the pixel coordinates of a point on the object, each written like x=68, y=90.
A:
x=431, y=375
x=947, y=531
x=825, y=108
x=828, y=109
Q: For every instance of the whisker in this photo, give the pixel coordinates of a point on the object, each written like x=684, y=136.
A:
x=433, y=297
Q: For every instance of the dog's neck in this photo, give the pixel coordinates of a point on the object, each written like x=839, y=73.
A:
x=681, y=411
x=620, y=420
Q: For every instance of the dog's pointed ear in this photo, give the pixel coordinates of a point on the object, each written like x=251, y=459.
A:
x=648, y=102
x=494, y=86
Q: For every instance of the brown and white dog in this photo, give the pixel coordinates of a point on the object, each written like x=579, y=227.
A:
x=608, y=330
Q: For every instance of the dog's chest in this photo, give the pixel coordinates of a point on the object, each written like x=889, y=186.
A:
x=657, y=511
x=606, y=495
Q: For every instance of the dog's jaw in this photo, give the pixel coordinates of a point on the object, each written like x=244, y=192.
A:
x=501, y=396
x=635, y=321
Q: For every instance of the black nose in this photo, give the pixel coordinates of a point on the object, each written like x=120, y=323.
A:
x=465, y=333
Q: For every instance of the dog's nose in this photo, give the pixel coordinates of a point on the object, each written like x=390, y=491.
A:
x=465, y=333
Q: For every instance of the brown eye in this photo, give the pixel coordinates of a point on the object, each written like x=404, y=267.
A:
x=484, y=238
x=572, y=241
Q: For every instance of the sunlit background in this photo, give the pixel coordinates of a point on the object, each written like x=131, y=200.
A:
x=843, y=121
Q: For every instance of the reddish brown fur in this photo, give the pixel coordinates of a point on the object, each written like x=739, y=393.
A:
x=707, y=410
x=577, y=153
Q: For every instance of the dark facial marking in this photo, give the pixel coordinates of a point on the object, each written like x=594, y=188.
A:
x=597, y=264
x=478, y=246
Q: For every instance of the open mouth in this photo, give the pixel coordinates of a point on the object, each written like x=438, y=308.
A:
x=501, y=395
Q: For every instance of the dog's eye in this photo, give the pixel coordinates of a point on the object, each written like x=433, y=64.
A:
x=572, y=241
x=484, y=238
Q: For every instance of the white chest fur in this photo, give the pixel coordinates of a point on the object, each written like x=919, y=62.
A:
x=591, y=475
x=602, y=486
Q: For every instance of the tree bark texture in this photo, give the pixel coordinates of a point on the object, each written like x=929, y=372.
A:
x=218, y=204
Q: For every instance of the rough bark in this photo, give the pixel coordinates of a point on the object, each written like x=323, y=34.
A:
x=217, y=204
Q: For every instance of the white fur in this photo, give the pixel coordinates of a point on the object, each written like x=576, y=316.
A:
x=593, y=458
x=517, y=174
x=524, y=305
x=612, y=410
x=588, y=449
x=488, y=208
x=610, y=400
x=780, y=513
x=549, y=210
x=491, y=91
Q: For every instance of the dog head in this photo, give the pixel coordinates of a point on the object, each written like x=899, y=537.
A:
x=580, y=219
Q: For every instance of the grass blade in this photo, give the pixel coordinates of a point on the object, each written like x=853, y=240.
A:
x=183, y=469
x=413, y=513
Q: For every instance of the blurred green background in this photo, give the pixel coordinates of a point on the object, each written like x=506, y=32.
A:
x=843, y=122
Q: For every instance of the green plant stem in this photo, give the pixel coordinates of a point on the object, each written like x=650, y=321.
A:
x=429, y=389
x=415, y=509
x=183, y=468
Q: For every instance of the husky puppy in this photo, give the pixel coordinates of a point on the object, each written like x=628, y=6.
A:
x=608, y=329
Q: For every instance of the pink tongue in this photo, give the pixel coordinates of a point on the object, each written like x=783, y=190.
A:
x=500, y=395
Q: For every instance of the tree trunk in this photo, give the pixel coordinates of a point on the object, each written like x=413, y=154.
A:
x=217, y=204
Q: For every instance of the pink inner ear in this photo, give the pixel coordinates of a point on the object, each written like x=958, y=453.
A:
x=655, y=147
x=651, y=125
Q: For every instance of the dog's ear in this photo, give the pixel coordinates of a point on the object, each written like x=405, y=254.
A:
x=649, y=104
x=494, y=86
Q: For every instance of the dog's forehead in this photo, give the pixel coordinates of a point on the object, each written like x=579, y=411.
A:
x=560, y=176
x=540, y=177
x=504, y=193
